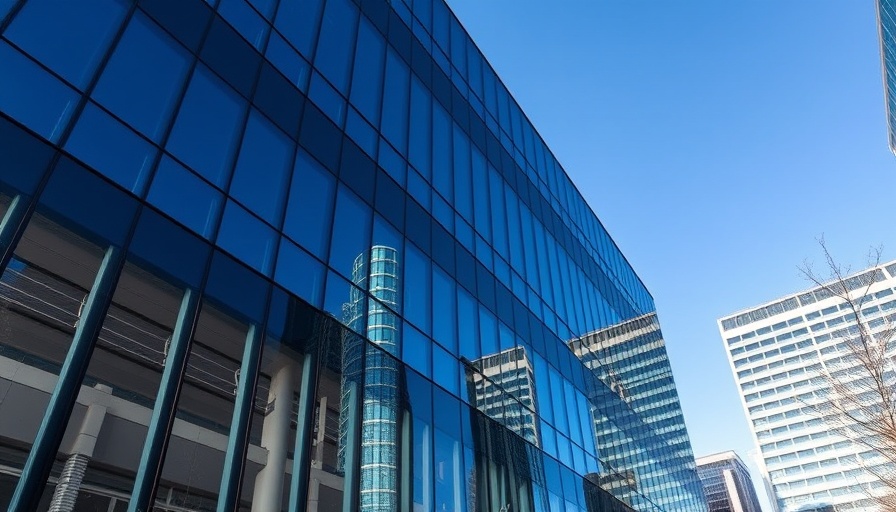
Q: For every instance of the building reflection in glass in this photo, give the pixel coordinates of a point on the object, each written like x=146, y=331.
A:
x=382, y=377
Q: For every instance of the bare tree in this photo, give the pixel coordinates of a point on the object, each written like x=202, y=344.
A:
x=857, y=393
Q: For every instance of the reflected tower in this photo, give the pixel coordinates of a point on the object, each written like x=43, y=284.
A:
x=381, y=376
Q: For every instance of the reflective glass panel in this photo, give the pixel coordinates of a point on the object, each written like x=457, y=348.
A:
x=141, y=93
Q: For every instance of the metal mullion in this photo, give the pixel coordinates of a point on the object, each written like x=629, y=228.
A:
x=238, y=438
x=301, y=470
x=149, y=469
x=49, y=436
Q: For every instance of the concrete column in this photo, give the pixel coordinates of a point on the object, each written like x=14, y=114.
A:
x=69, y=484
x=275, y=436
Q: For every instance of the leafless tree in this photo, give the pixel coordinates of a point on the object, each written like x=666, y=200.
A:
x=857, y=395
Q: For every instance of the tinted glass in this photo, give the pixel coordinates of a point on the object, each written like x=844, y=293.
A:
x=69, y=37
x=259, y=180
x=309, y=212
x=172, y=184
x=248, y=238
x=207, y=126
x=143, y=78
x=35, y=98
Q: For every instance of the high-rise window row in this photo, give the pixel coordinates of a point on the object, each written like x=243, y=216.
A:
x=783, y=362
x=304, y=254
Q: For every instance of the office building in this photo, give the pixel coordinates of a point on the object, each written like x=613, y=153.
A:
x=886, y=20
x=727, y=483
x=637, y=417
x=779, y=353
x=256, y=254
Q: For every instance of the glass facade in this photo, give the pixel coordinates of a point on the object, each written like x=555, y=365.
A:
x=779, y=353
x=886, y=18
x=304, y=255
x=727, y=484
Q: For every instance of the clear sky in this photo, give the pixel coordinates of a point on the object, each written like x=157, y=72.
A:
x=715, y=140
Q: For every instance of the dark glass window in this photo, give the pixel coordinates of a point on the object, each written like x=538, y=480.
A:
x=300, y=273
x=207, y=126
x=420, y=150
x=35, y=98
x=463, y=181
x=468, y=325
x=417, y=288
x=112, y=148
x=246, y=21
x=327, y=98
x=416, y=350
x=288, y=61
x=298, y=22
x=351, y=233
x=143, y=78
x=444, y=304
x=310, y=209
x=69, y=37
x=337, y=40
x=367, y=85
x=173, y=184
x=395, y=101
x=248, y=238
x=482, y=209
x=259, y=180
x=442, y=174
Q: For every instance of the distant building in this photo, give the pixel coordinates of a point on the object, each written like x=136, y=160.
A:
x=727, y=484
x=778, y=352
x=886, y=16
x=504, y=387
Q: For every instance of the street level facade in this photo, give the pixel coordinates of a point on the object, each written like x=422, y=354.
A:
x=266, y=255
x=781, y=354
x=727, y=483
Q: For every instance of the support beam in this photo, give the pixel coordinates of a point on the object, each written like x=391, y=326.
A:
x=12, y=227
x=149, y=471
x=49, y=436
x=238, y=440
x=301, y=467
x=351, y=490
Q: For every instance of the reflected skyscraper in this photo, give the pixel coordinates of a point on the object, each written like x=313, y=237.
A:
x=376, y=272
x=504, y=387
x=637, y=417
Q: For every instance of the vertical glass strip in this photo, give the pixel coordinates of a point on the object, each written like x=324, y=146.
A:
x=12, y=227
x=301, y=469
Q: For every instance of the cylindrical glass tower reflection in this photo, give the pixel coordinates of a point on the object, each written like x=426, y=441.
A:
x=381, y=374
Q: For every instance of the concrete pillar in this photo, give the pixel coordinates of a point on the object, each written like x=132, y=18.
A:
x=275, y=436
x=69, y=484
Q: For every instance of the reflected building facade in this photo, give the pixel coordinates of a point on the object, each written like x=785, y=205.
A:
x=886, y=20
x=264, y=255
x=637, y=416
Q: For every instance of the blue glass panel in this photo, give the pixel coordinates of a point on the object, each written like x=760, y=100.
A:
x=248, y=238
x=463, y=180
x=420, y=150
x=68, y=37
x=205, y=133
x=112, y=148
x=367, y=85
x=468, y=325
x=416, y=350
x=444, y=304
x=488, y=337
x=246, y=21
x=442, y=175
x=35, y=98
x=417, y=297
x=261, y=170
x=482, y=209
x=395, y=101
x=163, y=245
x=186, y=197
x=327, y=98
x=445, y=369
x=309, y=212
x=141, y=93
x=337, y=40
x=361, y=132
x=351, y=234
x=298, y=22
x=300, y=273
x=265, y=7
x=288, y=61
x=25, y=158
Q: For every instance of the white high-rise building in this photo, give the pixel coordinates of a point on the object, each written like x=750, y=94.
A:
x=779, y=353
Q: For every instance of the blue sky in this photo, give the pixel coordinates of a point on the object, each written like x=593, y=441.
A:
x=716, y=141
